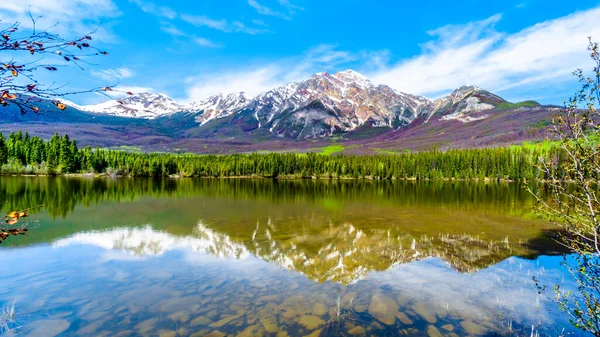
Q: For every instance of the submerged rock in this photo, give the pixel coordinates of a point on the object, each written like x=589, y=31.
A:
x=311, y=322
x=167, y=334
x=348, y=298
x=48, y=328
x=315, y=333
x=448, y=327
x=422, y=311
x=383, y=308
x=146, y=325
x=319, y=309
x=360, y=308
x=472, y=328
x=201, y=321
x=269, y=324
x=216, y=333
x=403, y=318
x=432, y=331
x=251, y=331
x=224, y=321
x=357, y=331
x=181, y=316
x=90, y=329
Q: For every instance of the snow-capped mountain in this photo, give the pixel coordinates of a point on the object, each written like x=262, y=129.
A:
x=325, y=104
x=218, y=106
x=467, y=104
x=142, y=105
x=319, y=106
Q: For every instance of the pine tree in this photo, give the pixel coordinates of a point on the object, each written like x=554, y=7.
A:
x=3, y=150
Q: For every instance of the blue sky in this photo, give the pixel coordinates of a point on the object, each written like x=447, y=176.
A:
x=191, y=49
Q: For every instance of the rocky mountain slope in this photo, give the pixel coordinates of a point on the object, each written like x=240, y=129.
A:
x=345, y=104
x=320, y=106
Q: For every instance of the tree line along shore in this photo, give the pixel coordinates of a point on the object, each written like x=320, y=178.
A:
x=22, y=154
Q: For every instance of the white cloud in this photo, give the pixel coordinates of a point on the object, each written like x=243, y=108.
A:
x=475, y=53
x=161, y=11
x=171, y=29
x=206, y=42
x=113, y=74
x=203, y=20
x=259, y=22
x=222, y=24
x=75, y=18
x=255, y=79
x=264, y=10
x=291, y=7
x=250, y=81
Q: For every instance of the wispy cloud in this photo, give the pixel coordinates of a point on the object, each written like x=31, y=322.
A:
x=264, y=10
x=202, y=20
x=291, y=7
x=175, y=32
x=151, y=8
x=258, y=78
x=171, y=29
x=113, y=74
x=537, y=57
x=259, y=22
x=222, y=24
x=206, y=42
x=74, y=17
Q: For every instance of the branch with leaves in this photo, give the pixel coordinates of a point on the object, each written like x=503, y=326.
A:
x=18, y=83
x=573, y=204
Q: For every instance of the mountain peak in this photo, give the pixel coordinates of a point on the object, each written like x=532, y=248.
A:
x=351, y=73
x=219, y=105
x=465, y=90
x=142, y=105
x=353, y=77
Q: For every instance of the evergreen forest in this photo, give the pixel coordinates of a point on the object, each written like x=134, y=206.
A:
x=25, y=154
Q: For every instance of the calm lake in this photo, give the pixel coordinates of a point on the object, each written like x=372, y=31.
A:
x=215, y=257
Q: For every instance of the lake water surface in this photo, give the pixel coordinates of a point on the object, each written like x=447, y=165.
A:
x=213, y=257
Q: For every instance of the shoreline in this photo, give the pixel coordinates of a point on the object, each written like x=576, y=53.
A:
x=281, y=177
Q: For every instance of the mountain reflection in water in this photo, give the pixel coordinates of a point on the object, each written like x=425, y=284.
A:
x=259, y=258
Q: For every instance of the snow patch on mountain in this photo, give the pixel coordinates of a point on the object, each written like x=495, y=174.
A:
x=464, y=112
x=144, y=105
x=218, y=106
